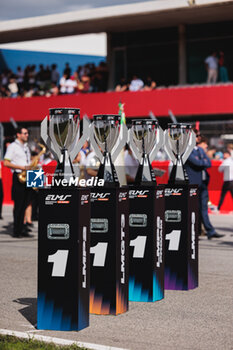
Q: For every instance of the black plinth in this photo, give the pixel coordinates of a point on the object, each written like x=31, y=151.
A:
x=146, y=252
x=109, y=251
x=63, y=259
x=181, y=237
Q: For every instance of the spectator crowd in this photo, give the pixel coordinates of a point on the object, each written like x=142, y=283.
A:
x=46, y=81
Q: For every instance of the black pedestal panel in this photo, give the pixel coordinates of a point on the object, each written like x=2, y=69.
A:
x=146, y=251
x=63, y=259
x=181, y=237
x=109, y=251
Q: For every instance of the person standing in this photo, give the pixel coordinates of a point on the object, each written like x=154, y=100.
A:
x=227, y=169
x=1, y=191
x=18, y=158
x=223, y=73
x=136, y=84
x=131, y=165
x=211, y=63
x=196, y=167
x=54, y=74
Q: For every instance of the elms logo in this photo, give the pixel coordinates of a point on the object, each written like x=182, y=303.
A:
x=35, y=178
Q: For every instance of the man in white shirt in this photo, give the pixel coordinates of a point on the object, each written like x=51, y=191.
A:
x=227, y=169
x=136, y=84
x=18, y=159
x=131, y=166
x=211, y=63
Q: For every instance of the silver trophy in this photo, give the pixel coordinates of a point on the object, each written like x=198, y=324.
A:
x=108, y=136
x=179, y=143
x=61, y=133
x=145, y=138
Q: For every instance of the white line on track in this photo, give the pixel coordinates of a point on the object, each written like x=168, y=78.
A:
x=57, y=341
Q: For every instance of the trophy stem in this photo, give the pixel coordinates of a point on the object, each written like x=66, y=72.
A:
x=145, y=174
x=107, y=171
x=178, y=174
x=64, y=168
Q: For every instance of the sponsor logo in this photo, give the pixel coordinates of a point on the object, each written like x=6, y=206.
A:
x=51, y=199
x=138, y=193
x=35, y=178
x=193, y=192
x=159, y=194
x=159, y=239
x=84, y=198
x=84, y=258
x=100, y=196
x=122, y=196
x=122, y=249
x=193, y=220
x=173, y=192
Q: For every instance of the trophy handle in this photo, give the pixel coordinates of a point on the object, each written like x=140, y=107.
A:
x=78, y=143
x=94, y=143
x=190, y=147
x=167, y=148
x=133, y=147
x=123, y=139
x=47, y=140
x=158, y=145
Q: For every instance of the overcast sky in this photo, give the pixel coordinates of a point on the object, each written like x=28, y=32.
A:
x=13, y=9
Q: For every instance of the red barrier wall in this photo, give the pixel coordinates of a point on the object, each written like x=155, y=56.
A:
x=193, y=100
x=216, y=180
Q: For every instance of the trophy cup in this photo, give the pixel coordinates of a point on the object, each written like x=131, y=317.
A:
x=61, y=133
x=181, y=212
x=179, y=143
x=146, y=138
x=146, y=200
x=108, y=136
x=109, y=221
x=63, y=239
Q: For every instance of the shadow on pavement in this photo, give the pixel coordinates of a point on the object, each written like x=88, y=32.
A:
x=226, y=229
x=30, y=309
x=7, y=229
x=229, y=243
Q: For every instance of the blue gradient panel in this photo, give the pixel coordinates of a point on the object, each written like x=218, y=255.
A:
x=50, y=317
x=83, y=316
x=137, y=293
x=158, y=292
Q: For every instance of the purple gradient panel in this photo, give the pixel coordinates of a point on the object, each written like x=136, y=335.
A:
x=172, y=282
x=192, y=279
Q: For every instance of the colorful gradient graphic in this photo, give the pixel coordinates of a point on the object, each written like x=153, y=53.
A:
x=172, y=282
x=97, y=305
x=138, y=293
x=121, y=301
x=52, y=317
x=192, y=278
x=100, y=307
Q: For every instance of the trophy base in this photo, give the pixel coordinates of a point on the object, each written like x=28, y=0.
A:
x=63, y=259
x=181, y=237
x=146, y=232
x=109, y=251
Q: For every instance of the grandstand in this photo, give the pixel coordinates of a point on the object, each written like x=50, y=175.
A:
x=165, y=39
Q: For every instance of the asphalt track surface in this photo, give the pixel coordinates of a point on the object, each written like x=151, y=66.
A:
x=196, y=319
